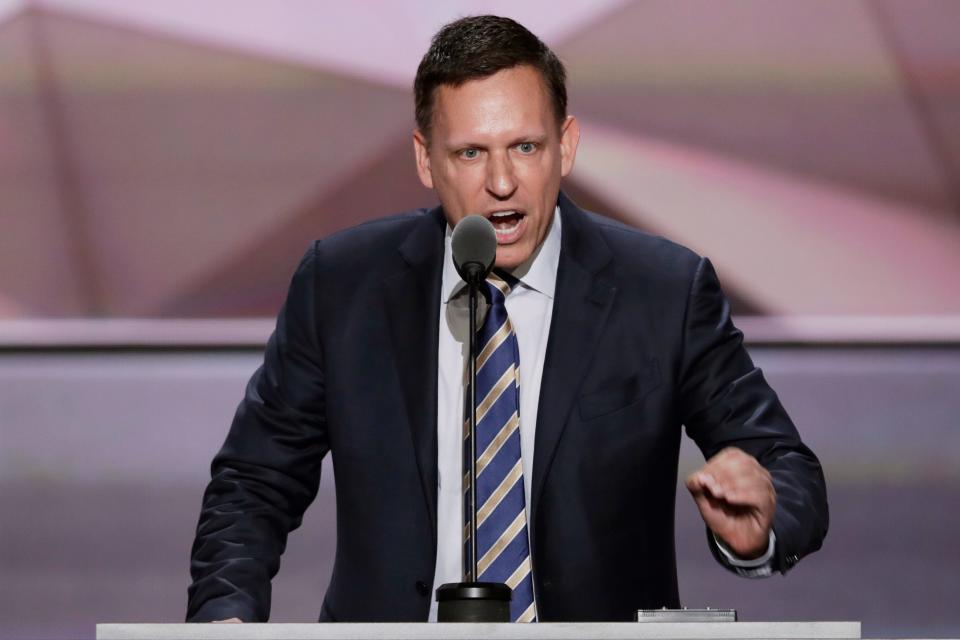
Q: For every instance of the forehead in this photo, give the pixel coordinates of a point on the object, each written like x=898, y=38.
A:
x=510, y=102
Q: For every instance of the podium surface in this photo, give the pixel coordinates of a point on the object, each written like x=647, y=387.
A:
x=487, y=631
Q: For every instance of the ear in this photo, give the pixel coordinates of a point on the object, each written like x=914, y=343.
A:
x=422, y=151
x=569, y=139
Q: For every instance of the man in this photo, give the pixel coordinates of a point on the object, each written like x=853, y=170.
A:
x=621, y=339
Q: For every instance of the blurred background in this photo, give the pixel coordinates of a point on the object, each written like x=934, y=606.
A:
x=164, y=165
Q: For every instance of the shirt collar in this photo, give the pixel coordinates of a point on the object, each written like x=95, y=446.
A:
x=538, y=272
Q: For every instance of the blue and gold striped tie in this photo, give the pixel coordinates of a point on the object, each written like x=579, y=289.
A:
x=503, y=547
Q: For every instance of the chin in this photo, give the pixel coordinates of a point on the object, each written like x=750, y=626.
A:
x=510, y=259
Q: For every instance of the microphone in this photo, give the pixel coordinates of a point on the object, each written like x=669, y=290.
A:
x=474, y=245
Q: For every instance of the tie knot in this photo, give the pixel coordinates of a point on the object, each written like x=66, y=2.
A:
x=498, y=285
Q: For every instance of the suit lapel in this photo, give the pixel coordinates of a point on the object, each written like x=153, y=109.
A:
x=412, y=298
x=580, y=309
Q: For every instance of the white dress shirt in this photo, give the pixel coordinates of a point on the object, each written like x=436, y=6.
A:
x=530, y=309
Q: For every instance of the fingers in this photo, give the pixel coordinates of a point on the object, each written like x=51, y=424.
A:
x=702, y=481
x=734, y=477
x=746, y=490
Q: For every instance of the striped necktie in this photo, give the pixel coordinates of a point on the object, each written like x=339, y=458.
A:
x=503, y=547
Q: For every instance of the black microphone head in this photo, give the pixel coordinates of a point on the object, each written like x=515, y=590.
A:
x=474, y=248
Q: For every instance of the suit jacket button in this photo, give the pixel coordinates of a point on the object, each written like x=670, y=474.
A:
x=422, y=588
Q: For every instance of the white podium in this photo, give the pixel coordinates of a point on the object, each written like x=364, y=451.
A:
x=488, y=631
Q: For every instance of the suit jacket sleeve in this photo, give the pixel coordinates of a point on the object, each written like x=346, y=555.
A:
x=726, y=402
x=268, y=470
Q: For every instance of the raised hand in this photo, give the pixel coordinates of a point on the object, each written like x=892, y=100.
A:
x=736, y=499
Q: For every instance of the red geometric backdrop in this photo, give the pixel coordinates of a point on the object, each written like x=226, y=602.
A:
x=174, y=159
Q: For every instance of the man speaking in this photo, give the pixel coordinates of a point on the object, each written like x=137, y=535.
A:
x=615, y=341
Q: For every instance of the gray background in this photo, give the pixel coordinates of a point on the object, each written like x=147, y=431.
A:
x=104, y=457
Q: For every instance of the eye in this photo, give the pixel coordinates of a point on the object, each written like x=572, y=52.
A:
x=527, y=147
x=470, y=154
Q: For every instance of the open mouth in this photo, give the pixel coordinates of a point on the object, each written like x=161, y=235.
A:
x=507, y=224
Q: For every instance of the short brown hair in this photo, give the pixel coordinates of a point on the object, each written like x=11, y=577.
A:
x=478, y=47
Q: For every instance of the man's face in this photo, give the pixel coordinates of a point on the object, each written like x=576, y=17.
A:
x=496, y=149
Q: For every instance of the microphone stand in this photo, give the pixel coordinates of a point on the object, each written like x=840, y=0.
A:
x=470, y=600
x=473, y=573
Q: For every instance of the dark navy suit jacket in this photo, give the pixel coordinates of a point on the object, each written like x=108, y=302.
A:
x=640, y=344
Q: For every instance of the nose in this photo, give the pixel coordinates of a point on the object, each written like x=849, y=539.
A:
x=501, y=181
